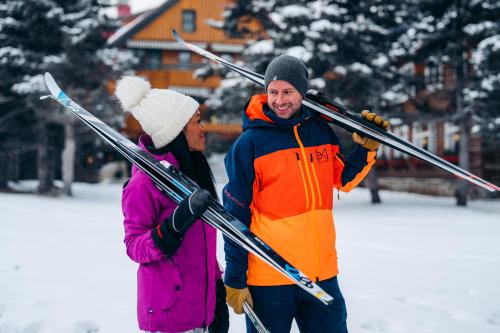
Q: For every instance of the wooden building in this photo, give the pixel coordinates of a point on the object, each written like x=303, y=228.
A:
x=427, y=122
x=164, y=61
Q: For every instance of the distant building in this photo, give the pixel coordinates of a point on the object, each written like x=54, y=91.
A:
x=426, y=122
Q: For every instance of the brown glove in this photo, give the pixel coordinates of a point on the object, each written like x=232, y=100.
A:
x=366, y=142
x=236, y=297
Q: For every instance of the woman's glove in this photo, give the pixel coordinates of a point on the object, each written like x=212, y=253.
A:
x=168, y=235
x=221, y=315
x=236, y=297
x=366, y=142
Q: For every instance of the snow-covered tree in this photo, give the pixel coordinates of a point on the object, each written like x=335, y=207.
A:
x=483, y=94
x=66, y=38
x=447, y=31
x=29, y=34
x=344, y=43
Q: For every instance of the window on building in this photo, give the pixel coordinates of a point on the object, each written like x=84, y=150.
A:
x=451, y=138
x=189, y=20
x=152, y=59
x=184, y=59
x=408, y=71
x=434, y=73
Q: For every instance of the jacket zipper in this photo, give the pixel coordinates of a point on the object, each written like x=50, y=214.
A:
x=316, y=181
x=311, y=185
x=306, y=191
x=304, y=158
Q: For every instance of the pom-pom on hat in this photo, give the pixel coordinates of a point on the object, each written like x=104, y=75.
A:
x=162, y=113
x=290, y=69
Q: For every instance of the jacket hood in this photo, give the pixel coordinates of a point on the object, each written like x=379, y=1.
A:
x=146, y=143
x=258, y=114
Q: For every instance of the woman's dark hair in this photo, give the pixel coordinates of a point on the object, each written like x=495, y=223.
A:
x=192, y=163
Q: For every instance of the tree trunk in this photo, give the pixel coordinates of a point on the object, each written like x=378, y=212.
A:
x=3, y=169
x=68, y=158
x=45, y=180
x=464, y=118
x=463, y=156
x=371, y=182
x=13, y=164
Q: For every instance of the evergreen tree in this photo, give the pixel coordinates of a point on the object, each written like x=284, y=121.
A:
x=29, y=35
x=447, y=30
x=344, y=43
x=67, y=39
x=483, y=95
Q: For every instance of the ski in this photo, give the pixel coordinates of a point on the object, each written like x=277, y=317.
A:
x=254, y=319
x=336, y=113
x=178, y=186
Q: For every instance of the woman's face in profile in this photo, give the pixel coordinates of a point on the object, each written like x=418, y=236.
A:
x=195, y=133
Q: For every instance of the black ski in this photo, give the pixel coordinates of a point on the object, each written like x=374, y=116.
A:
x=254, y=319
x=178, y=186
x=339, y=115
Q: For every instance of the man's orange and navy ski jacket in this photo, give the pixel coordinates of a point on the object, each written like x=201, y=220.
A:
x=282, y=173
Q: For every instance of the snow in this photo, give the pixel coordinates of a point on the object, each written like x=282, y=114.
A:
x=327, y=48
x=8, y=22
x=30, y=84
x=278, y=19
x=394, y=97
x=486, y=46
x=318, y=83
x=413, y=264
x=300, y=52
x=490, y=82
x=380, y=61
x=340, y=70
x=215, y=23
x=325, y=25
x=12, y=55
x=294, y=11
x=360, y=68
x=116, y=58
x=323, y=7
x=127, y=27
x=261, y=47
x=477, y=28
x=54, y=12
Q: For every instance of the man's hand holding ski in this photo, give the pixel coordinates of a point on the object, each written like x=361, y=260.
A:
x=236, y=297
x=366, y=142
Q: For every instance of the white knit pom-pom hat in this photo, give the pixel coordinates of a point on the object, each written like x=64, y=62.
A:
x=162, y=113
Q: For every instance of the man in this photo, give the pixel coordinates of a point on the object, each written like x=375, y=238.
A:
x=282, y=171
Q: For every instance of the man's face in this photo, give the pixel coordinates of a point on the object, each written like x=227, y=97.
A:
x=283, y=99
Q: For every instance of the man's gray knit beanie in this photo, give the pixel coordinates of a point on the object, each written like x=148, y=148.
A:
x=289, y=69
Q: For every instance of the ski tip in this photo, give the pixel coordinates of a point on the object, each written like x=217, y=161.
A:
x=46, y=96
x=52, y=85
x=177, y=36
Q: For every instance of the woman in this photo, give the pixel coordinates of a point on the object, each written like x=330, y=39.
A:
x=179, y=280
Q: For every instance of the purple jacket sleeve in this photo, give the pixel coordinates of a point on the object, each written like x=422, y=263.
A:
x=141, y=212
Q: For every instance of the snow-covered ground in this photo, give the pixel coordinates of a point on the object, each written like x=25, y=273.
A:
x=413, y=264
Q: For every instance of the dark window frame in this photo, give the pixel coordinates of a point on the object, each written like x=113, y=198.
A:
x=188, y=20
x=184, y=59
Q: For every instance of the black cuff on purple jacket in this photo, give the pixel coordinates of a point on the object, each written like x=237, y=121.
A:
x=166, y=239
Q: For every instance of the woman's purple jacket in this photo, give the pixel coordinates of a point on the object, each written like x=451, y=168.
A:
x=175, y=294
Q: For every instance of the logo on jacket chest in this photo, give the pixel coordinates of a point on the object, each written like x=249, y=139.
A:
x=322, y=155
